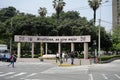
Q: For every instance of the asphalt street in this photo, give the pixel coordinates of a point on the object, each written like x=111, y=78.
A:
x=50, y=71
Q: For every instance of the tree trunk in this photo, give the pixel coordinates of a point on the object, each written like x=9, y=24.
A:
x=57, y=18
x=94, y=17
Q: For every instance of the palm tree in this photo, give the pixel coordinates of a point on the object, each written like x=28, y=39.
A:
x=94, y=4
x=42, y=11
x=58, y=5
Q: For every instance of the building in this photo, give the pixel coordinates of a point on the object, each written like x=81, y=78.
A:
x=116, y=12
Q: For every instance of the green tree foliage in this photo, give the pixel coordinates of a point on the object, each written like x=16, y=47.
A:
x=69, y=15
x=106, y=42
x=116, y=34
x=42, y=11
x=58, y=5
x=7, y=13
x=116, y=47
x=116, y=38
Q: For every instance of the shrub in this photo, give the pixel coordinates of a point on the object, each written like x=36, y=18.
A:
x=105, y=58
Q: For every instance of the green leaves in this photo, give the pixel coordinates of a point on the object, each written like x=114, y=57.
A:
x=42, y=11
x=7, y=13
x=116, y=38
x=58, y=5
x=94, y=4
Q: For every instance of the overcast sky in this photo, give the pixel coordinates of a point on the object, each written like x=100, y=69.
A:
x=32, y=6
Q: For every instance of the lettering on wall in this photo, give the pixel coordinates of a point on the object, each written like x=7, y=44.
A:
x=52, y=39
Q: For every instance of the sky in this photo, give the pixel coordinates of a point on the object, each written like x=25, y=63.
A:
x=31, y=6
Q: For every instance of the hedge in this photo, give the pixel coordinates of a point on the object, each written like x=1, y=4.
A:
x=109, y=58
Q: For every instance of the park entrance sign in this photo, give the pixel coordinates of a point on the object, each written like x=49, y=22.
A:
x=54, y=39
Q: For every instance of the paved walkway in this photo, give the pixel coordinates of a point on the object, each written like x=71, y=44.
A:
x=76, y=61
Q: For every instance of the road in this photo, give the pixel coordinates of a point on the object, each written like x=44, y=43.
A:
x=50, y=71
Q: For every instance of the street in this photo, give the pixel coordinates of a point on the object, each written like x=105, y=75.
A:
x=50, y=71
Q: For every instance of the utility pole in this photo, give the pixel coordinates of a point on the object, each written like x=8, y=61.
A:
x=99, y=41
x=11, y=37
x=99, y=47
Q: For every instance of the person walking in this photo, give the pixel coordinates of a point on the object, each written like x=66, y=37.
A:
x=61, y=61
x=72, y=57
x=57, y=57
x=12, y=60
x=66, y=57
x=63, y=57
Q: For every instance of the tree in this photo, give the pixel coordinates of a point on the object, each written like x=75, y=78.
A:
x=69, y=15
x=116, y=34
x=42, y=11
x=2, y=31
x=7, y=13
x=116, y=38
x=106, y=42
x=94, y=4
x=58, y=5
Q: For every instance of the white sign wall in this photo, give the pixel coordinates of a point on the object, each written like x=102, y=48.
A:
x=52, y=39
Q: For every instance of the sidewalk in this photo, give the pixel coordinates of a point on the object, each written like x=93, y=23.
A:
x=77, y=62
x=28, y=60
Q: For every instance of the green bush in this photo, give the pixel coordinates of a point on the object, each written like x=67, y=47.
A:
x=105, y=58
x=36, y=55
x=26, y=55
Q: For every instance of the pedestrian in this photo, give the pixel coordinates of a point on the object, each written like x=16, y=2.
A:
x=66, y=57
x=63, y=57
x=12, y=57
x=57, y=57
x=61, y=61
x=72, y=57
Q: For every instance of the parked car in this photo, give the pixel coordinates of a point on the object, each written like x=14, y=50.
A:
x=5, y=56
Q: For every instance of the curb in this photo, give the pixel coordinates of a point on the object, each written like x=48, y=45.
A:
x=67, y=65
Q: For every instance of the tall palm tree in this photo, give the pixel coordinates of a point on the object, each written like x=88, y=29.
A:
x=42, y=11
x=94, y=4
x=58, y=5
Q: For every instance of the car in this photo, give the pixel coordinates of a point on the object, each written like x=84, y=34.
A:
x=5, y=56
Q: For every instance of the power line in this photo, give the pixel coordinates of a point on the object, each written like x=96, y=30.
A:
x=105, y=21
